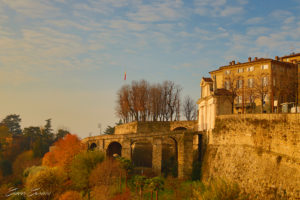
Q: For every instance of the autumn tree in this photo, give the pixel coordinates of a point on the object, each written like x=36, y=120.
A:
x=189, y=108
x=45, y=184
x=141, y=101
x=22, y=162
x=155, y=95
x=81, y=168
x=124, y=108
x=63, y=152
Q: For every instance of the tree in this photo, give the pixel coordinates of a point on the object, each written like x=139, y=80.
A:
x=156, y=184
x=13, y=123
x=61, y=133
x=63, y=152
x=140, y=182
x=81, y=168
x=32, y=133
x=105, y=175
x=22, y=162
x=262, y=88
x=40, y=146
x=189, y=108
x=126, y=165
x=109, y=130
x=141, y=101
x=231, y=84
x=45, y=184
x=47, y=132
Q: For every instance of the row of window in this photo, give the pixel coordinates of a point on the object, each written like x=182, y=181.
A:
x=249, y=69
x=239, y=99
x=239, y=83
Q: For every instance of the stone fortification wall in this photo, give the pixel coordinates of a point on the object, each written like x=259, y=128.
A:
x=149, y=127
x=126, y=128
x=260, y=152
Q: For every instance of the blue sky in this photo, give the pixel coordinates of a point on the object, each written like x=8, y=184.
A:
x=65, y=59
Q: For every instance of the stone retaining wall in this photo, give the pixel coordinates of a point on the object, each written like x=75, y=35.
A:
x=260, y=152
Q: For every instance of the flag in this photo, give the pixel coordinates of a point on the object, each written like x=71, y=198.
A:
x=125, y=76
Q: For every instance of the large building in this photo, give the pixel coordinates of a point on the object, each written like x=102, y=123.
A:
x=260, y=85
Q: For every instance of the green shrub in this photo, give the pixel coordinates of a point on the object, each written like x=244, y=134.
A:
x=217, y=189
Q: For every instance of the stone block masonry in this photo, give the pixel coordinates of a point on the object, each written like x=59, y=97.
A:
x=261, y=152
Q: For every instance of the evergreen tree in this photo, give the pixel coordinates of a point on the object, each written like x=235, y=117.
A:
x=13, y=123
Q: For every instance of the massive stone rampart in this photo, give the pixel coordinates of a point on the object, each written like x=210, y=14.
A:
x=261, y=152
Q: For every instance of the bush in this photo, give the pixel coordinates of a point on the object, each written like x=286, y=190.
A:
x=45, y=184
x=217, y=189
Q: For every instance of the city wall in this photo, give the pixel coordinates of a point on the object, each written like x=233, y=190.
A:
x=261, y=152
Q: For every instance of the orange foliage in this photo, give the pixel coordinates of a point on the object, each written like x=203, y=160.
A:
x=63, y=152
x=70, y=195
x=106, y=173
x=123, y=196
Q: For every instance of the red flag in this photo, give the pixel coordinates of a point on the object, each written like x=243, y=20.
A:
x=125, y=76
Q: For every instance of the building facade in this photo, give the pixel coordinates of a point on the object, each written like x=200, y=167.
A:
x=213, y=102
x=259, y=85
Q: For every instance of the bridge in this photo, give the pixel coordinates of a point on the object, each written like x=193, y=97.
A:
x=153, y=145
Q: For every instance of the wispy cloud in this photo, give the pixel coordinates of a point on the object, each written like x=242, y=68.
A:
x=34, y=9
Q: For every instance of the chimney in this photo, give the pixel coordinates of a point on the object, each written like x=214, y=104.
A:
x=255, y=59
x=233, y=62
x=230, y=63
x=281, y=59
x=276, y=58
x=249, y=59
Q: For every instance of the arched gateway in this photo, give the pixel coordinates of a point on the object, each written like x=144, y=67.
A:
x=114, y=148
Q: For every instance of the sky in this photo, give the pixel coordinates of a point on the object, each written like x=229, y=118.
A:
x=66, y=59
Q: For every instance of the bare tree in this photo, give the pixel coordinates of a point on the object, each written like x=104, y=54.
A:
x=189, y=108
x=141, y=101
x=262, y=88
x=231, y=84
x=172, y=93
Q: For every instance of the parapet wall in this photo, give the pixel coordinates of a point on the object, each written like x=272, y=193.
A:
x=261, y=152
x=149, y=127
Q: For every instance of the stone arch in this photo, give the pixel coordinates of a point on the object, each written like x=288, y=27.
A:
x=169, y=156
x=141, y=153
x=114, y=148
x=180, y=128
x=92, y=146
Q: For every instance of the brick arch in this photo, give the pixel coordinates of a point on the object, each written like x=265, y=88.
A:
x=142, y=152
x=169, y=156
x=180, y=128
x=114, y=148
x=93, y=146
